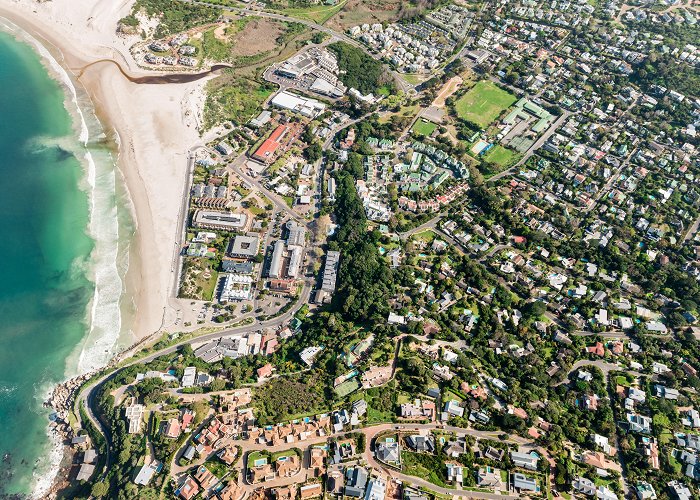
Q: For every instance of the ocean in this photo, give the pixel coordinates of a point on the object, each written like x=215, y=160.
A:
x=63, y=251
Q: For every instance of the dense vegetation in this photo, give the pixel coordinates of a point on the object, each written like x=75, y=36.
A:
x=358, y=70
x=365, y=281
x=174, y=16
x=283, y=398
x=665, y=70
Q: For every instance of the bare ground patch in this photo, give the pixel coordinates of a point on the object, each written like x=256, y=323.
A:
x=259, y=35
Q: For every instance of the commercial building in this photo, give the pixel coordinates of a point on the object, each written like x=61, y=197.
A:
x=244, y=247
x=266, y=152
x=305, y=106
x=275, y=269
x=295, y=259
x=236, y=287
x=225, y=221
x=297, y=234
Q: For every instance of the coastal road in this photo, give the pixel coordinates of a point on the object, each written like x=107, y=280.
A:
x=181, y=236
x=88, y=395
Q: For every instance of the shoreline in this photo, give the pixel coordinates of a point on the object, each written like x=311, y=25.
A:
x=152, y=127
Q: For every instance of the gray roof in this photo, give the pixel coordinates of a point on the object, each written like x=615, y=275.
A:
x=244, y=246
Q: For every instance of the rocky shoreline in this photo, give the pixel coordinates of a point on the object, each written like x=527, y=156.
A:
x=62, y=401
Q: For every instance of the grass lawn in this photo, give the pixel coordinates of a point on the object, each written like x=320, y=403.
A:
x=424, y=466
x=501, y=156
x=255, y=210
x=377, y=416
x=484, y=102
x=426, y=235
x=622, y=380
x=665, y=437
x=449, y=395
x=423, y=127
x=256, y=455
x=677, y=467
x=280, y=454
x=318, y=14
x=410, y=110
x=216, y=467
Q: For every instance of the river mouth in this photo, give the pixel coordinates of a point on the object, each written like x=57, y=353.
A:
x=159, y=79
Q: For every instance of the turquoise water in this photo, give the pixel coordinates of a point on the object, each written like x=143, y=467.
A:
x=44, y=251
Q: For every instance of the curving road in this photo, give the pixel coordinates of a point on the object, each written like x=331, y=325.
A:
x=88, y=394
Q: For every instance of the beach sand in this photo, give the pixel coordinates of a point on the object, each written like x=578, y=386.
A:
x=155, y=125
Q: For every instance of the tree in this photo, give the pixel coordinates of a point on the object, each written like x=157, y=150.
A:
x=100, y=489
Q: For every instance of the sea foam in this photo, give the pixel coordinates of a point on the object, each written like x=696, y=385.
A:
x=104, y=317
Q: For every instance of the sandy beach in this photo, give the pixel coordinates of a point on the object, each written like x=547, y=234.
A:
x=154, y=125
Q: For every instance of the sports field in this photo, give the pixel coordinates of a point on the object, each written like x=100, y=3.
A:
x=423, y=127
x=347, y=387
x=484, y=102
x=500, y=156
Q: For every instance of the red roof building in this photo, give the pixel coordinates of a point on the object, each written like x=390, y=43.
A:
x=266, y=152
x=265, y=371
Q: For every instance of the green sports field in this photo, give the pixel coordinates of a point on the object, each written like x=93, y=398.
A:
x=484, y=102
x=423, y=127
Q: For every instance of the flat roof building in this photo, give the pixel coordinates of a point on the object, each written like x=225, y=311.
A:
x=133, y=415
x=236, y=287
x=294, y=261
x=226, y=221
x=244, y=247
x=330, y=271
x=305, y=106
x=276, y=262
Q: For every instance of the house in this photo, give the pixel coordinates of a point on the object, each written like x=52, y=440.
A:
x=421, y=443
x=605, y=493
x=525, y=460
x=453, y=408
x=666, y=392
x=287, y=466
x=85, y=472
x=376, y=489
x=188, y=489
x=584, y=485
x=389, y=452
x=639, y=423
x=645, y=491
x=521, y=482
x=355, y=481
x=603, y=443
x=680, y=490
x=171, y=428
x=311, y=491
x=265, y=371
x=454, y=473
x=205, y=478
x=495, y=454
x=598, y=460
x=133, y=415
x=489, y=477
